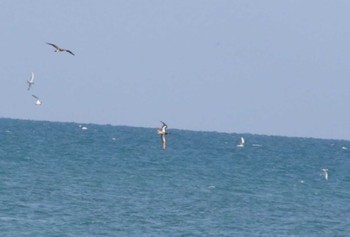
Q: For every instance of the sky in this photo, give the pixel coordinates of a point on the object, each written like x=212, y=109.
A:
x=263, y=67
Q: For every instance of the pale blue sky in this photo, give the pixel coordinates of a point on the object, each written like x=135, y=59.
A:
x=262, y=67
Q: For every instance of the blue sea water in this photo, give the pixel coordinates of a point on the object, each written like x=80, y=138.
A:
x=57, y=179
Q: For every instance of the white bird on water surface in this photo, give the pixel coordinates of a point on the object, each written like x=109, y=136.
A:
x=325, y=173
x=162, y=132
x=37, y=100
x=241, y=143
x=31, y=81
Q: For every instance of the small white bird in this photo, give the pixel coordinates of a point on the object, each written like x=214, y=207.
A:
x=31, y=81
x=58, y=49
x=325, y=173
x=37, y=100
x=162, y=132
x=241, y=143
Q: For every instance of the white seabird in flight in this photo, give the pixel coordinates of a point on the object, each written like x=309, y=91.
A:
x=31, y=81
x=58, y=49
x=37, y=100
x=162, y=132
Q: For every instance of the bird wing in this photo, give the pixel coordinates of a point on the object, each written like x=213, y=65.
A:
x=164, y=125
x=35, y=97
x=53, y=45
x=68, y=51
x=32, y=78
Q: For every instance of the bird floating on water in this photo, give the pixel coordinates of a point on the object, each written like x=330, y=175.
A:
x=31, y=81
x=241, y=143
x=58, y=49
x=82, y=127
x=325, y=173
x=162, y=132
x=37, y=100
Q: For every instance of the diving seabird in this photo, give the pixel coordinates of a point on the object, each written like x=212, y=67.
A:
x=37, y=100
x=31, y=81
x=325, y=173
x=162, y=132
x=58, y=49
x=241, y=144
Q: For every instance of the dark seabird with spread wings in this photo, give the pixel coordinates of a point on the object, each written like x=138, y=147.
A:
x=58, y=49
x=162, y=132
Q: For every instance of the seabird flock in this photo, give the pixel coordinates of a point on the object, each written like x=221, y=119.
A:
x=31, y=80
x=161, y=131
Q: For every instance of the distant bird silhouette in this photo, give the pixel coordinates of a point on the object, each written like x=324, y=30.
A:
x=58, y=49
x=37, y=100
x=31, y=81
x=162, y=132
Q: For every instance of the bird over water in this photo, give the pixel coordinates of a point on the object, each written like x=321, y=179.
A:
x=31, y=81
x=37, y=100
x=58, y=49
x=325, y=173
x=162, y=132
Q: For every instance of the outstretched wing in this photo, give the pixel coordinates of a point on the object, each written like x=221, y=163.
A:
x=32, y=78
x=53, y=45
x=68, y=51
x=164, y=125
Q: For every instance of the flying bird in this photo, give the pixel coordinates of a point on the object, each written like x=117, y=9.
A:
x=37, y=100
x=162, y=132
x=58, y=49
x=31, y=81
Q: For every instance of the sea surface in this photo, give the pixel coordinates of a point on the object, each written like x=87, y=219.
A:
x=69, y=179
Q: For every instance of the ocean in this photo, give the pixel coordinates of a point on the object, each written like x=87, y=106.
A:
x=58, y=179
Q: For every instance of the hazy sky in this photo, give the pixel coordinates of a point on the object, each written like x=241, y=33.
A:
x=263, y=67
